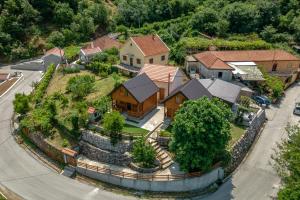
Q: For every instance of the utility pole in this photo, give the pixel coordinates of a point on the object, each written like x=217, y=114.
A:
x=169, y=77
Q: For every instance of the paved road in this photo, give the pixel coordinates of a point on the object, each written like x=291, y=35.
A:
x=256, y=179
x=28, y=177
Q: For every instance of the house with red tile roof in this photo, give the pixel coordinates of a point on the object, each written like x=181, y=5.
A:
x=223, y=64
x=166, y=78
x=139, y=50
x=98, y=46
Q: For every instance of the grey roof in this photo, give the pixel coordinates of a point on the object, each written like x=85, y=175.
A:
x=141, y=87
x=51, y=59
x=222, y=89
x=191, y=90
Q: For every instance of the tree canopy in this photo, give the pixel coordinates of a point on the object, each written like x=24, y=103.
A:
x=288, y=164
x=201, y=131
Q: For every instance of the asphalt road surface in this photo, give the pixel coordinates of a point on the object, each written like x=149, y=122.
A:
x=255, y=179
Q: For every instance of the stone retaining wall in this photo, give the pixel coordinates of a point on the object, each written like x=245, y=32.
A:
x=241, y=147
x=104, y=143
x=50, y=150
x=101, y=155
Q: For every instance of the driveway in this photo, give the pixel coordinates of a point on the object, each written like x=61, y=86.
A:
x=28, y=177
x=255, y=179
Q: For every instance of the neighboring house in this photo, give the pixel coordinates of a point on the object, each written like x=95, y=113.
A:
x=4, y=77
x=139, y=50
x=97, y=46
x=136, y=97
x=191, y=90
x=223, y=90
x=167, y=78
x=223, y=64
x=53, y=56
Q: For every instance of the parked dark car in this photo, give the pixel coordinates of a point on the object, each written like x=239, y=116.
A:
x=262, y=100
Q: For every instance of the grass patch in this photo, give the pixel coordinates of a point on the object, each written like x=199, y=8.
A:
x=71, y=52
x=236, y=133
x=103, y=86
x=167, y=132
x=133, y=130
x=2, y=197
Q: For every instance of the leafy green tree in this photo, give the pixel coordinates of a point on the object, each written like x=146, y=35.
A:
x=81, y=86
x=84, y=26
x=56, y=39
x=63, y=14
x=143, y=153
x=201, y=133
x=242, y=17
x=21, y=103
x=287, y=164
x=272, y=85
x=209, y=21
x=103, y=105
x=113, y=123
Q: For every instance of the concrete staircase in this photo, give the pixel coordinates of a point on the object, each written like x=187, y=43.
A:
x=161, y=154
x=69, y=171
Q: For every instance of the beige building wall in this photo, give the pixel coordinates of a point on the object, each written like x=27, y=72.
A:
x=282, y=66
x=131, y=50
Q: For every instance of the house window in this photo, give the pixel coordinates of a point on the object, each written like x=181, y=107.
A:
x=178, y=101
x=138, y=61
x=220, y=74
x=151, y=60
x=124, y=58
x=163, y=58
x=126, y=93
x=130, y=44
x=274, y=68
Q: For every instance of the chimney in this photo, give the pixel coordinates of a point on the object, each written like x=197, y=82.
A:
x=153, y=36
x=92, y=45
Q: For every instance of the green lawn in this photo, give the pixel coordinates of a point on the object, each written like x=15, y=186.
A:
x=167, y=132
x=71, y=52
x=236, y=133
x=134, y=131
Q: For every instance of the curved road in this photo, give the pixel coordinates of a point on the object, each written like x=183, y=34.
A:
x=28, y=177
x=253, y=180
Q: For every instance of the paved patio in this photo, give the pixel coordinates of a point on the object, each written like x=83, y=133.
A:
x=151, y=120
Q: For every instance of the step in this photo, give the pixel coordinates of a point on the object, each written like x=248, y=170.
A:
x=156, y=147
x=160, y=153
x=163, y=156
x=165, y=161
x=165, y=166
x=68, y=171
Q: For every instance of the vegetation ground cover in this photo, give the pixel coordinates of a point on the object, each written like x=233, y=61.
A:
x=237, y=132
x=134, y=130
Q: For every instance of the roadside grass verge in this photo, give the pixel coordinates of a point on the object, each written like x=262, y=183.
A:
x=237, y=132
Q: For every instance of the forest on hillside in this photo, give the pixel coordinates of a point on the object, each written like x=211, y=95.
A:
x=29, y=26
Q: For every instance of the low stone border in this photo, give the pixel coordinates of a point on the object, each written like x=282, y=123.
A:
x=241, y=147
x=135, y=167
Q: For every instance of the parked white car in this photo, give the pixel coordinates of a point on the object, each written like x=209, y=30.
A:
x=297, y=109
